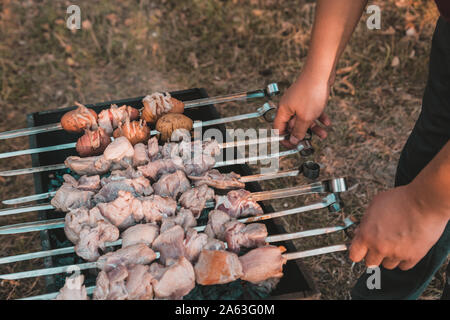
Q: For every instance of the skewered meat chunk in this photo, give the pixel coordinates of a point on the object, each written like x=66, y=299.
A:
x=139, y=283
x=111, y=285
x=195, y=199
x=86, y=183
x=110, y=191
x=113, y=117
x=172, y=185
x=193, y=244
x=153, y=149
x=76, y=121
x=214, y=244
x=73, y=289
x=158, y=104
x=202, y=157
x=224, y=181
x=120, y=152
x=263, y=263
x=76, y=219
x=184, y=218
x=170, y=245
x=128, y=173
x=140, y=233
x=216, y=224
x=140, y=155
x=238, y=204
x=119, y=211
x=94, y=238
x=175, y=281
x=153, y=208
x=88, y=166
x=93, y=143
x=69, y=198
x=155, y=169
x=135, y=254
x=240, y=235
x=217, y=267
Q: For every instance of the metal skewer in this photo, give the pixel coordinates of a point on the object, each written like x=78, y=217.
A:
x=271, y=90
x=91, y=265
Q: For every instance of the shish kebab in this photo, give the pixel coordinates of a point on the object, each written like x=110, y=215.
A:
x=83, y=291
x=87, y=119
x=123, y=121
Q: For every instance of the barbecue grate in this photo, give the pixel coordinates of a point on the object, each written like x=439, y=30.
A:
x=296, y=282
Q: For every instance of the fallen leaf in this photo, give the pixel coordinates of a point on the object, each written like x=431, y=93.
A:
x=395, y=62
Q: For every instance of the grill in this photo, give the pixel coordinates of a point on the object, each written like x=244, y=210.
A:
x=296, y=282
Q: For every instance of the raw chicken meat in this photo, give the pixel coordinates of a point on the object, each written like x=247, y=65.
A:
x=140, y=157
x=73, y=289
x=214, y=244
x=138, y=187
x=215, y=179
x=89, y=231
x=85, y=183
x=70, y=198
x=170, y=245
x=217, y=267
x=240, y=235
x=153, y=149
x=120, y=152
x=153, y=208
x=263, y=263
x=119, y=211
x=111, y=284
x=110, y=119
x=193, y=244
x=140, y=233
x=139, y=283
x=172, y=185
x=155, y=169
x=237, y=204
x=135, y=254
x=216, y=224
x=88, y=166
x=183, y=218
x=195, y=199
x=175, y=281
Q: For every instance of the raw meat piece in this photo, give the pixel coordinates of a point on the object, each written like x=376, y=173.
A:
x=76, y=219
x=170, y=245
x=224, y=181
x=214, y=244
x=155, y=169
x=217, y=267
x=183, y=218
x=175, y=281
x=240, y=235
x=91, y=239
x=135, y=254
x=263, y=263
x=193, y=244
x=111, y=118
x=141, y=157
x=111, y=284
x=138, y=187
x=120, y=152
x=153, y=148
x=119, y=211
x=140, y=233
x=88, y=166
x=172, y=185
x=195, y=199
x=216, y=224
x=153, y=208
x=69, y=198
x=139, y=283
x=237, y=204
x=73, y=289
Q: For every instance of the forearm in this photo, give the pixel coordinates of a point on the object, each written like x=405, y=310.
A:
x=431, y=188
x=334, y=24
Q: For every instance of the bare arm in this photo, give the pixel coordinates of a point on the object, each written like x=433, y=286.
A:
x=401, y=225
x=306, y=99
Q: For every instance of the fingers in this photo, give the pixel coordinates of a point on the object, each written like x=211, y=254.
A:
x=299, y=130
x=390, y=263
x=325, y=119
x=282, y=119
x=319, y=131
x=358, y=250
x=373, y=258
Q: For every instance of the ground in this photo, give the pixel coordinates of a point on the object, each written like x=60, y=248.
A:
x=130, y=48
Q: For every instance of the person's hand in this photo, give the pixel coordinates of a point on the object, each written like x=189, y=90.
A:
x=397, y=230
x=301, y=106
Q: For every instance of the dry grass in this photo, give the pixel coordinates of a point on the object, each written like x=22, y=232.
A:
x=128, y=48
